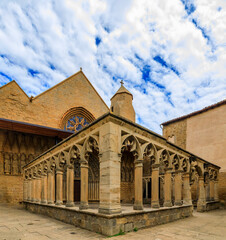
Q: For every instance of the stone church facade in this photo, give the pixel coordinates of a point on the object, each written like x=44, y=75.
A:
x=78, y=161
x=29, y=126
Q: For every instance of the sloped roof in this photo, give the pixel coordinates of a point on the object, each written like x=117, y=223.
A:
x=196, y=112
x=122, y=89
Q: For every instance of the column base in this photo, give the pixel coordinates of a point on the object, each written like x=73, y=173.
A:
x=83, y=205
x=44, y=201
x=201, y=206
x=187, y=202
x=138, y=206
x=167, y=204
x=155, y=204
x=70, y=204
x=109, y=211
x=50, y=202
x=178, y=203
x=59, y=202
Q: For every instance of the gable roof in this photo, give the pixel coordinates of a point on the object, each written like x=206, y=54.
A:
x=67, y=79
x=196, y=112
x=14, y=82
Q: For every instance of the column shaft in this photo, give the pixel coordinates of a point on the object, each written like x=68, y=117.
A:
x=44, y=189
x=211, y=190
x=70, y=187
x=59, y=187
x=167, y=189
x=25, y=190
x=38, y=190
x=138, y=172
x=186, y=190
x=33, y=189
x=216, y=196
x=178, y=188
x=51, y=187
x=155, y=187
x=84, y=186
x=29, y=190
x=201, y=204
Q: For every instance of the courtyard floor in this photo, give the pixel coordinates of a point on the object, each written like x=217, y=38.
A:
x=17, y=223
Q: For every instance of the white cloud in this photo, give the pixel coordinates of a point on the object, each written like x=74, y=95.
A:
x=182, y=54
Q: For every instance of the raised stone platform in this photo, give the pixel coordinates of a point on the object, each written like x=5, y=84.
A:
x=212, y=205
x=110, y=225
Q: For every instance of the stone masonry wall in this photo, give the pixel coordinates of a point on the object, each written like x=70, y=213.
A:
x=49, y=107
x=111, y=225
x=178, y=130
x=11, y=189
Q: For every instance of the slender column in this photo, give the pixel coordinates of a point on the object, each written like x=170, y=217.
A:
x=138, y=172
x=207, y=188
x=201, y=204
x=146, y=186
x=38, y=190
x=33, y=189
x=84, y=185
x=59, y=187
x=216, y=197
x=186, y=190
x=167, y=188
x=25, y=189
x=51, y=187
x=211, y=190
x=178, y=188
x=29, y=189
x=44, y=188
x=155, y=186
x=70, y=186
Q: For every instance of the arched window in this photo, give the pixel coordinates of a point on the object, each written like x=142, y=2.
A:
x=76, y=118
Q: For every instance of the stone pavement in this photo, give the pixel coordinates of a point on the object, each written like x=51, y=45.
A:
x=17, y=223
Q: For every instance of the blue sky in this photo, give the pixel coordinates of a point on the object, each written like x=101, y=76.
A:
x=170, y=54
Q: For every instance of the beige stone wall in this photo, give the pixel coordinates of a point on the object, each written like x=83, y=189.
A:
x=49, y=107
x=11, y=189
x=16, y=150
x=177, y=132
x=206, y=136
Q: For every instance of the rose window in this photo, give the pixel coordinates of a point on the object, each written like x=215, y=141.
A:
x=75, y=123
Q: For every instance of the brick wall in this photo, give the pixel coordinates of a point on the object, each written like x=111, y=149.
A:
x=11, y=189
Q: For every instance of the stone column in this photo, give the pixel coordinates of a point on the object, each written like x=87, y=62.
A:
x=138, y=185
x=59, y=187
x=155, y=186
x=216, y=197
x=178, y=188
x=201, y=204
x=207, y=188
x=211, y=190
x=51, y=187
x=29, y=189
x=84, y=185
x=33, y=186
x=38, y=190
x=70, y=186
x=168, y=188
x=25, y=189
x=44, y=188
x=110, y=165
x=186, y=190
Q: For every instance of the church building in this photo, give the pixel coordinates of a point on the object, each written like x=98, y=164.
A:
x=72, y=158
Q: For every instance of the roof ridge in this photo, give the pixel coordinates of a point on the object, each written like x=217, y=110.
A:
x=195, y=112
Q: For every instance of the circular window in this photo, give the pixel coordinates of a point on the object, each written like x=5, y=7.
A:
x=76, y=118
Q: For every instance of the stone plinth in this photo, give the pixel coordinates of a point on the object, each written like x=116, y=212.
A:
x=111, y=224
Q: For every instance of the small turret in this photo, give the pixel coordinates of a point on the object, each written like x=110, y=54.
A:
x=121, y=103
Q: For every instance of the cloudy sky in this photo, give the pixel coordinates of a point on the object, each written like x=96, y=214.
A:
x=170, y=54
